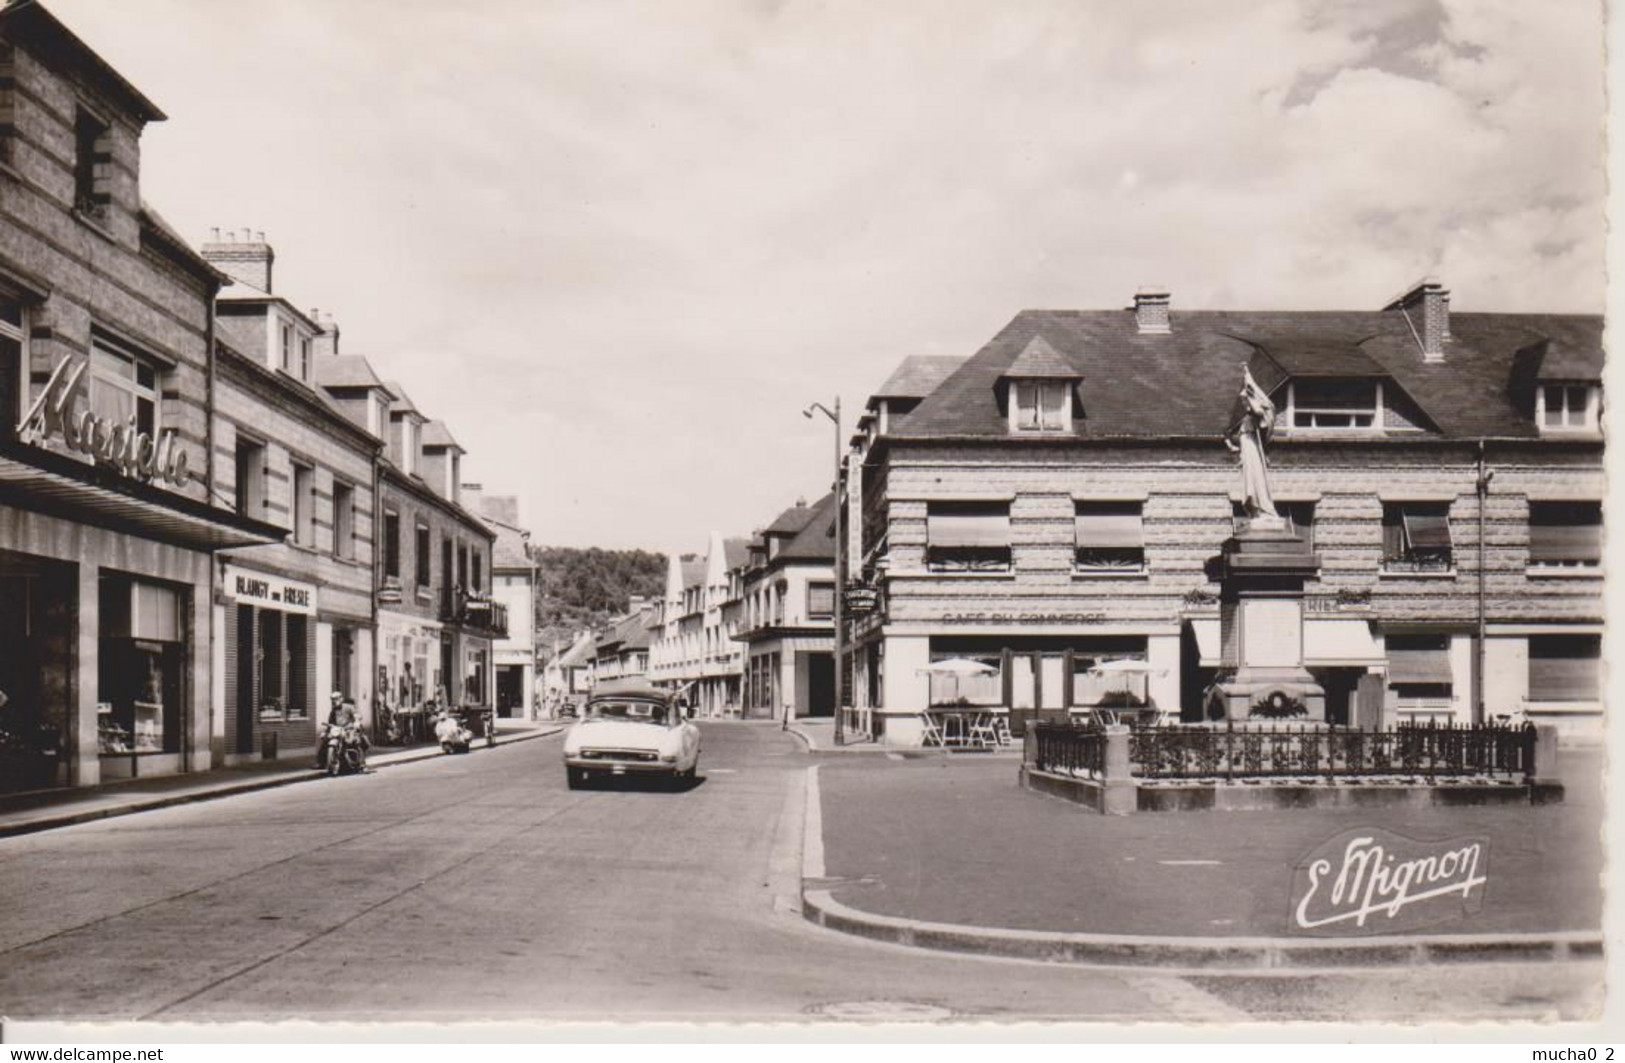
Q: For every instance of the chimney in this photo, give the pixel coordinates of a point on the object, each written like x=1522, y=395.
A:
x=247, y=260
x=1426, y=307
x=327, y=340
x=1151, y=310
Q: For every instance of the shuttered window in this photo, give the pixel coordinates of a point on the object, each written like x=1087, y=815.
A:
x=1109, y=536
x=1565, y=667
x=1418, y=659
x=1416, y=537
x=1565, y=534
x=820, y=600
x=968, y=536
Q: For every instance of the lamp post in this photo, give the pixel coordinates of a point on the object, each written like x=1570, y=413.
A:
x=840, y=558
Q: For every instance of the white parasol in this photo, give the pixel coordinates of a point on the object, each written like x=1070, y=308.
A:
x=957, y=668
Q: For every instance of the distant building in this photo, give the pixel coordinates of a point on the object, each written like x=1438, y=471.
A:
x=622, y=652
x=694, y=647
x=1054, y=501
x=513, y=586
x=787, y=610
x=568, y=676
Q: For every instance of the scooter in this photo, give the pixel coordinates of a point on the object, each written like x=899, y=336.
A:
x=453, y=736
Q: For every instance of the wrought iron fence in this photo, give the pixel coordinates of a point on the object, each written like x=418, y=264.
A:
x=1426, y=751
x=1068, y=750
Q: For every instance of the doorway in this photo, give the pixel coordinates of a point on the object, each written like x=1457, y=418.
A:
x=510, y=690
x=820, y=684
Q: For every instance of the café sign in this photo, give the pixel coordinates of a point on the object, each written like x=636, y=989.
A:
x=257, y=588
x=57, y=412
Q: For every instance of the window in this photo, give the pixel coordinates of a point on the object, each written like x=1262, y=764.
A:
x=1419, y=673
x=123, y=386
x=287, y=348
x=92, y=165
x=1335, y=403
x=304, y=358
x=343, y=521
x=13, y=344
x=250, y=478
x=1565, y=534
x=8, y=93
x=820, y=600
x=272, y=664
x=968, y=537
x=1566, y=407
x=300, y=676
x=1416, y=537
x=1300, y=517
x=477, y=580
x=1040, y=406
x=423, y=557
x=1565, y=667
x=304, y=505
x=1109, y=537
x=392, y=545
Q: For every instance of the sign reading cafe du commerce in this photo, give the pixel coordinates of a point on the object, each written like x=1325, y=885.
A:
x=1371, y=881
x=119, y=444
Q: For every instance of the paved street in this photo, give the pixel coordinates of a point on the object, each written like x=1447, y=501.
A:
x=479, y=886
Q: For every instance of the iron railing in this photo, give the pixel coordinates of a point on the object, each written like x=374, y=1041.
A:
x=1064, y=749
x=1427, y=751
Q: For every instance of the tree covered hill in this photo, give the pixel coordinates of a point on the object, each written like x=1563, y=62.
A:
x=584, y=588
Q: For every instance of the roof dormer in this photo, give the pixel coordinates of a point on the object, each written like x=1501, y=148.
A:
x=1040, y=391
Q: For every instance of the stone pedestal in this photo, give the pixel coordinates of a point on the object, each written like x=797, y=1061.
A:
x=1262, y=573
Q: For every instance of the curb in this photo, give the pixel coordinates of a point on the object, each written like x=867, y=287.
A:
x=1210, y=954
x=91, y=815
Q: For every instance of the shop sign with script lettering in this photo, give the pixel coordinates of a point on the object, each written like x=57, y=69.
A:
x=1372, y=881
x=58, y=412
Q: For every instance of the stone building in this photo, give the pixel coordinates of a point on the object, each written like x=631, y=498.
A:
x=622, y=651
x=293, y=621
x=107, y=485
x=436, y=617
x=1055, y=503
x=787, y=609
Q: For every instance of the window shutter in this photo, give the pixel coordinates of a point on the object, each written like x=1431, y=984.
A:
x=1428, y=665
x=1427, y=531
x=820, y=599
x=1053, y=395
x=1109, y=527
x=983, y=530
x=1550, y=542
x=1565, y=668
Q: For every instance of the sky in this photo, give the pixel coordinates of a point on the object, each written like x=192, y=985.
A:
x=619, y=246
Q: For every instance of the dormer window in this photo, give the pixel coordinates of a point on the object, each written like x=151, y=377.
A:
x=1040, y=406
x=1567, y=407
x=92, y=165
x=1331, y=404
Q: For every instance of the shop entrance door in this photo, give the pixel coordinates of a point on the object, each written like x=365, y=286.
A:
x=820, y=684
x=510, y=691
x=246, y=669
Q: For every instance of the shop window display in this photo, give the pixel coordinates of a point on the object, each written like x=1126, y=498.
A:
x=140, y=666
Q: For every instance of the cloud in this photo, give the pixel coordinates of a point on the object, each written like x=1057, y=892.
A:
x=618, y=246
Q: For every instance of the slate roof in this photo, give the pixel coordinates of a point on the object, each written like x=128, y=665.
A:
x=580, y=654
x=628, y=633
x=402, y=401
x=1184, y=383
x=693, y=574
x=436, y=434
x=509, y=548
x=816, y=541
x=345, y=371
x=919, y=375
x=735, y=552
x=791, y=520
x=1039, y=359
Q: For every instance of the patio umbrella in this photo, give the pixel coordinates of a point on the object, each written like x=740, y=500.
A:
x=958, y=667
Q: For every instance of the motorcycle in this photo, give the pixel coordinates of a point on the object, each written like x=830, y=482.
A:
x=346, y=750
x=453, y=736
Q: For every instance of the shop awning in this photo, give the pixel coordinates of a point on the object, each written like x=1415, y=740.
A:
x=1340, y=642
x=1209, y=651
x=968, y=530
x=44, y=481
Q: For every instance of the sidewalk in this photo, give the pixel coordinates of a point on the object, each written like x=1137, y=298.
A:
x=46, y=810
x=819, y=735
x=912, y=850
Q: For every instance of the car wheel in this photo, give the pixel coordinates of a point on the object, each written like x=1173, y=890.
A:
x=575, y=777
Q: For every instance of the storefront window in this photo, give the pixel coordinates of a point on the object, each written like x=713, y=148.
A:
x=37, y=611
x=141, y=653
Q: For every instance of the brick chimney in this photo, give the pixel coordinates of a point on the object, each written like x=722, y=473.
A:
x=246, y=257
x=1151, y=310
x=1426, y=307
x=327, y=340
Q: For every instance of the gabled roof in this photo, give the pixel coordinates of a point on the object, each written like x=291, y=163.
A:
x=816, y=541
x=46, y=32
x=436, y=434
x=734, y=553
x=918, y=376
x=1183, y=383
x=628, y=633
x=579, y=655
x=1552, y=359
x=693, y=574
x=790, y=521
x=1039, y=359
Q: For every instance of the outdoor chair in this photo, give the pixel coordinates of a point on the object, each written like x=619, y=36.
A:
x=982, y=733
x=1001, y=731
x=933, y=732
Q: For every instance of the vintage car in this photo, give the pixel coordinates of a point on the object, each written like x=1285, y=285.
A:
x=631, y=729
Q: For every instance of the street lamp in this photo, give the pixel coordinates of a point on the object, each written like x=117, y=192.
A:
x=840, y=558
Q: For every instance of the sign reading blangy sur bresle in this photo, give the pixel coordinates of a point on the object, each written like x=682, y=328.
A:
x=247, y=587
x=121, y=445
x=1372, y=881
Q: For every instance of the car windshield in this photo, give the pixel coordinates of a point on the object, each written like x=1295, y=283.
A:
x=634, y=711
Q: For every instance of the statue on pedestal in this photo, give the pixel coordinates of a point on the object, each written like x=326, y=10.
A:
x=1248, y=437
